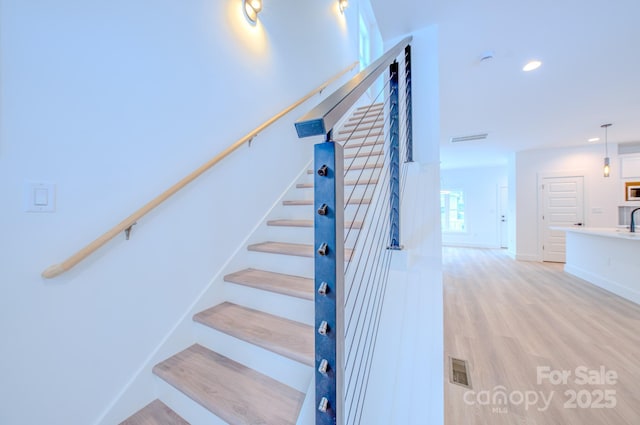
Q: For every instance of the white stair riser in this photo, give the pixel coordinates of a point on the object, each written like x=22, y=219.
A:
x=276, y=366
x=184, y=406
x=359, y=191
x=292, y=308
x=308, y=211
x=302, y=235
x=287, y=264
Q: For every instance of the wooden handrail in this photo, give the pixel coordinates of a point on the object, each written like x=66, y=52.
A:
x=127, y=223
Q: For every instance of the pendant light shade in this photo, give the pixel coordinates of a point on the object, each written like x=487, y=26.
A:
x=607, y=161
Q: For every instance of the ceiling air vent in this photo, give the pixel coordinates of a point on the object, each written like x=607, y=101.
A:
x=470, y=138
x=625, y=148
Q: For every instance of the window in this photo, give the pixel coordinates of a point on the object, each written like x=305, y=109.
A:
x=452, y=210
x=364, y=44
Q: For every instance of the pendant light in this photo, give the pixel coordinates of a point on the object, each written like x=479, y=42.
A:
x=607, y=168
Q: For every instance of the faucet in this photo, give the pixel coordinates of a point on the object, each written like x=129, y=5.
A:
x=632, y=227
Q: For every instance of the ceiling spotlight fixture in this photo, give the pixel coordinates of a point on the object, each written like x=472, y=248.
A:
x=251, y=9
x=607, y=167
x=531, y=65
x=342, y=4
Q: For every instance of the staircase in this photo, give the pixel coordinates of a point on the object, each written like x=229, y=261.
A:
x=229, y=390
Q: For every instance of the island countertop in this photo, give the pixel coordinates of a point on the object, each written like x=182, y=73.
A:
x=605, y=257
x=610, y=232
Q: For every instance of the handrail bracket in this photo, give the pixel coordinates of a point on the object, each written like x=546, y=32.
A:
x=127, y=231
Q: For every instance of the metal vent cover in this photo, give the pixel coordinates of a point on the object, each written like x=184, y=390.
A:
x=469, y=138
x=628, y=148
x=459, y=372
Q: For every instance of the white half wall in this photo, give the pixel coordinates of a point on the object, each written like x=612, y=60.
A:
x=406, y=387
x=608, y=262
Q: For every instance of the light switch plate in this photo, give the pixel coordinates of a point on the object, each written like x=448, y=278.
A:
x=39, y=197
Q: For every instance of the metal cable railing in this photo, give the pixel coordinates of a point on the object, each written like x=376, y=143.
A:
x=350, y=292
x=366, y=278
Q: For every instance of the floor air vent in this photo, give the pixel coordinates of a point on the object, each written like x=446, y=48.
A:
x=459, y=372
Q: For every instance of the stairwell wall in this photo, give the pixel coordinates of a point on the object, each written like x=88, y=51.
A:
x=114, y=102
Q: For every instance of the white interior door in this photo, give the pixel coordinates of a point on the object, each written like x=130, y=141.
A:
x=504, y=226
x=563, y=206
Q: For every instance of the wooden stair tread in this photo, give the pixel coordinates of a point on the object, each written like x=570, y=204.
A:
x=370, y=106
x=361, y=145
x=355, y=167
x=310, y=202
x=155, y=413
x=361, y=128
x=282, y=336
x=295, y=286
x=361, y=136
x=373, y=113
x=358, y=167
x=309, y=223
x=362, y=181
x=297, y=249
x=364, y=154
x=356, y=121
x=368, y=110
x=235, y=393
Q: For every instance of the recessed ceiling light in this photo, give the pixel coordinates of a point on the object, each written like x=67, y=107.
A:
x=486, y=55
x=535, y=64
x=594, y=139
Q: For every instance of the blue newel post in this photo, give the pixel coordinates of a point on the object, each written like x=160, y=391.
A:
x=409, y=102
x=329, y=282
x=394, y=158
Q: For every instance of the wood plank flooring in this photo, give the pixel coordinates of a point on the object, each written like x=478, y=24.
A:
x=509, y=318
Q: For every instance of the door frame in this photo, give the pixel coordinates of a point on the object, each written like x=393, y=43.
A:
x=540, y=207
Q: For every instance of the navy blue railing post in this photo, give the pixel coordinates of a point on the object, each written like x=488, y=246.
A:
x=394, y=158
x=329, y=282
x=409, y=102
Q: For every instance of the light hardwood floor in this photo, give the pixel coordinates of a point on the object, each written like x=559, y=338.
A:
x=509, y=318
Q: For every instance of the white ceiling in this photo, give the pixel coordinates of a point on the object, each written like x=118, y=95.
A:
x=590, y=74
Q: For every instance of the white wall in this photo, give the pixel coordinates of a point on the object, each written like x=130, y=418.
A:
x=602, y=195
x=113, y=102
x=481, y=205
x=512, y=203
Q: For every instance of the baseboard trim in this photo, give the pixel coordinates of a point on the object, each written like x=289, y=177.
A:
x=604, y=283
x=469, y=245
x=525, y=257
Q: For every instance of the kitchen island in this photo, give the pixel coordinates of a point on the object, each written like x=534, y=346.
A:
x=607, y=257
